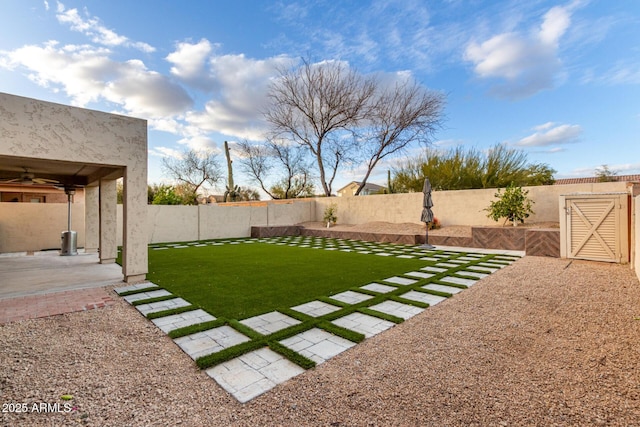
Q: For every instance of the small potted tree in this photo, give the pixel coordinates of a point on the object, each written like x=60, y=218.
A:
x=330, y=214
x=513, y=205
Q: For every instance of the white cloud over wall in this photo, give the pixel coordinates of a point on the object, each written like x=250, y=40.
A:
x=520, y=64
x=551, y=134
x=93, y=28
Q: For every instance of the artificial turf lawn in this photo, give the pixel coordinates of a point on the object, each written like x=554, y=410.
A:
x=237, y=281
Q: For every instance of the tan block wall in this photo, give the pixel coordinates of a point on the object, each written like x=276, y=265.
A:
x=35, y=227
x=187, y=223
x=460, y=207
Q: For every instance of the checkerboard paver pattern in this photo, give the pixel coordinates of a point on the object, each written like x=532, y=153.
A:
x=315, y=308
x=423, y=297
x=136, y=287
x=254, y=373
x=177, y=321
x=458, y=281
x=269, y=323
x=317, y=345
x=377, y=287
x=211, y=341
x=400, y=280
x=442, y=288
x=155, y=307
x=397, y=309
x=363, y=323
x=257, y=371
x=146, y=295
x=351, y=297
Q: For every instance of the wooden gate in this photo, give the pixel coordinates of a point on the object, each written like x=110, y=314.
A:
x=596, y=227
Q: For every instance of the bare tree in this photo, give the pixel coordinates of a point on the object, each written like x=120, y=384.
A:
x=397, y=117
x=315, y=106
x=259, y=162
x=193, y=169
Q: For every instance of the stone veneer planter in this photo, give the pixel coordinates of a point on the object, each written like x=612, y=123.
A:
x=534, y=241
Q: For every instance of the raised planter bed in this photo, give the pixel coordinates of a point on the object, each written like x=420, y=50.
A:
x=534, y=241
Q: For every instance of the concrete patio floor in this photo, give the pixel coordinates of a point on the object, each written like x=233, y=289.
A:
x=47, y=272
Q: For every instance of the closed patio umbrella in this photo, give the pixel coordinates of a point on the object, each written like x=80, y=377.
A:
x=427, y=213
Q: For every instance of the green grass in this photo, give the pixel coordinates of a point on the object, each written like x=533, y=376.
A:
x=237, y=281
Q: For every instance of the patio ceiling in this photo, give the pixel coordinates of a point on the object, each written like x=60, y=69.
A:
x=64, y=172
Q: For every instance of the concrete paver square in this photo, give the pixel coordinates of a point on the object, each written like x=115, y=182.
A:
x=400, y=280
x=419, y=274
x=442, y=288
x=162, y=305
x=363, y=323
x=181, y=320
x=458, y=281
x=434, y=269
x=377, y=287
x=447, y=264
x=473, y=274
x=483, y=269
x=269, y=323
x=351, y=297
x=426, y=258
x=144, y=285
x=211, y=341
x=423, y=297
x=254, y=373
x=315, y=308
x=491, y=265
x=394, y=308
x=317, y=345
x=146, y=295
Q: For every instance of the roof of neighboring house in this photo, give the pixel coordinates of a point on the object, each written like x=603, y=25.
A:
x=367, y=186
x=594, y=179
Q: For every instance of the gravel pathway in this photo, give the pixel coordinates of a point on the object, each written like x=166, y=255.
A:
x=541, y=342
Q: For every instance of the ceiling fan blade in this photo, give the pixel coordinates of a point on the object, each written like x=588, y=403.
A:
x=45, y=181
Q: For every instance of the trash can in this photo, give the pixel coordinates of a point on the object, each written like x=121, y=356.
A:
x=69, y=243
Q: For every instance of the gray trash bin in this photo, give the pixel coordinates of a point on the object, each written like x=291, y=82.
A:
x=69, y=243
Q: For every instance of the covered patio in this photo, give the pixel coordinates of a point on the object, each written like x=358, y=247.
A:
x=73, y=147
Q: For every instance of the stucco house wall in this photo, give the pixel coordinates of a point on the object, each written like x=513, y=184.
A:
x=113, y=145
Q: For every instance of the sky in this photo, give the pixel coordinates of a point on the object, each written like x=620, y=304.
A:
x=558, y=80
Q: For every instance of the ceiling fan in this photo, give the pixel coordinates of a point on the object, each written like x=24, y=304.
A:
x=28, y=178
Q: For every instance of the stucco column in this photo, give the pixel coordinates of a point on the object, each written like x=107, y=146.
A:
x=108, y=221
x=134, y=221
x=91, y=219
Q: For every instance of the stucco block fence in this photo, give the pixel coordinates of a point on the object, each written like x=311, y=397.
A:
x=33, y=228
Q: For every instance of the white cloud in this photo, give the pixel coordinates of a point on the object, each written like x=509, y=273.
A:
x=190, y=63
x=551, y=134
x=200, y=143
x=87, y=74
x=165, y=152
x=522, y=64
x=624, y=72
x=240, y=90
x=91, y=27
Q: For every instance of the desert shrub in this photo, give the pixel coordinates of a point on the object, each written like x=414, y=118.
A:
x=513, y=205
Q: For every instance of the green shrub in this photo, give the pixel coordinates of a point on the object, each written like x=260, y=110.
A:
x=330, y=214
x=513, y=205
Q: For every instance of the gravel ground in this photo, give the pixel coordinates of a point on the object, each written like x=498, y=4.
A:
x=542, y=342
